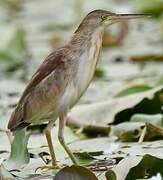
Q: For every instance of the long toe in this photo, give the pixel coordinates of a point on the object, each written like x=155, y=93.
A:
x=49, y=167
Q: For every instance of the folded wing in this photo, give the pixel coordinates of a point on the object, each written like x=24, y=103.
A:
x=46, y=85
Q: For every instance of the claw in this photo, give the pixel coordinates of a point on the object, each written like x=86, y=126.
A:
x=49, y=167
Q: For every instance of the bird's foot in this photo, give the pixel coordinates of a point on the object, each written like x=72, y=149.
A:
x=49, y=167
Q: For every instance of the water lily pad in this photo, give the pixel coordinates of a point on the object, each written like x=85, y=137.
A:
x=4, y=174
x=156, y=119
x=75, y=172
x=19, y=153
x=117, y=110
x=136, y=167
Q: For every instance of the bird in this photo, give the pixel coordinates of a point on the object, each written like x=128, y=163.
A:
x=62, y=79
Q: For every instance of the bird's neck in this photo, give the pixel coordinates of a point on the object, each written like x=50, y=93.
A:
x=84, y=38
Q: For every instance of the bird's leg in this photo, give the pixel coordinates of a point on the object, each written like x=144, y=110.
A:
x=52, y=154
x=51, y=149
x=62, y=122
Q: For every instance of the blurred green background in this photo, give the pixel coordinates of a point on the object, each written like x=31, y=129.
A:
x=131, y=62
x=132, y=53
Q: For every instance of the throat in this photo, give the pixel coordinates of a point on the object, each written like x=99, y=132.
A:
x=88, y=60
x=86, y=38
x=96, y=43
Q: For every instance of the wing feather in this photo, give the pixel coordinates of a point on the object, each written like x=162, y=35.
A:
x=45, y=86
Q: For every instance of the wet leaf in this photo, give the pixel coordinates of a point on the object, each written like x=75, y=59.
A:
x=136, y=167
x=149, y=104
x=117, y=110
x=153, y=132
x=127, y=131
x=19, y=153
x=93, y=131
x=95, y=145
x=84, y=157
x=131, y=131
x=117, y=150
x=75, y=173
x=156, y=119
x=4, y=173
x=138, y=41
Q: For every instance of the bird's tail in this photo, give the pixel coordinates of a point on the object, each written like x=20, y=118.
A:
x=16, y=121
x=20, y=126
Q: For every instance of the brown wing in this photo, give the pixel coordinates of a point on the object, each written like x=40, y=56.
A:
x=53, y=64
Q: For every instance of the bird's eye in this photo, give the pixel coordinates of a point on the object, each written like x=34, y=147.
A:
x=104, y=17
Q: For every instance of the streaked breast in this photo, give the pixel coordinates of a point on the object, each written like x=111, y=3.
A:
x=88, y=61
x=84, y=74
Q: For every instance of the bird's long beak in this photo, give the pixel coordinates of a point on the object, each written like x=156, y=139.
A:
x=121, y=17
x=133, y=16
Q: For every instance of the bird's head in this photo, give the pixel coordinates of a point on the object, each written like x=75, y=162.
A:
x=102, y=18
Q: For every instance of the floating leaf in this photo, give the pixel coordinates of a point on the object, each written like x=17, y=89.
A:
x=117, y=110
x=131, y=131
x=136, y=167
x=75, y=173
x=127, y=131
x=19, y=153
x=4, y=174
x=156, y=119
x=84, y=157
x=153, y=132
x=93, y=131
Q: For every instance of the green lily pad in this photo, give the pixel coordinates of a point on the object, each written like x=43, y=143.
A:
x=131, y=131
x=156, y=119
x=114, y=111
x=75, y=173
x=19, y=153
x=4, y=174
x=136, y=167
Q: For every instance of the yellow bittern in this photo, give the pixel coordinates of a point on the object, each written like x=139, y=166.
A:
x=63, y=77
